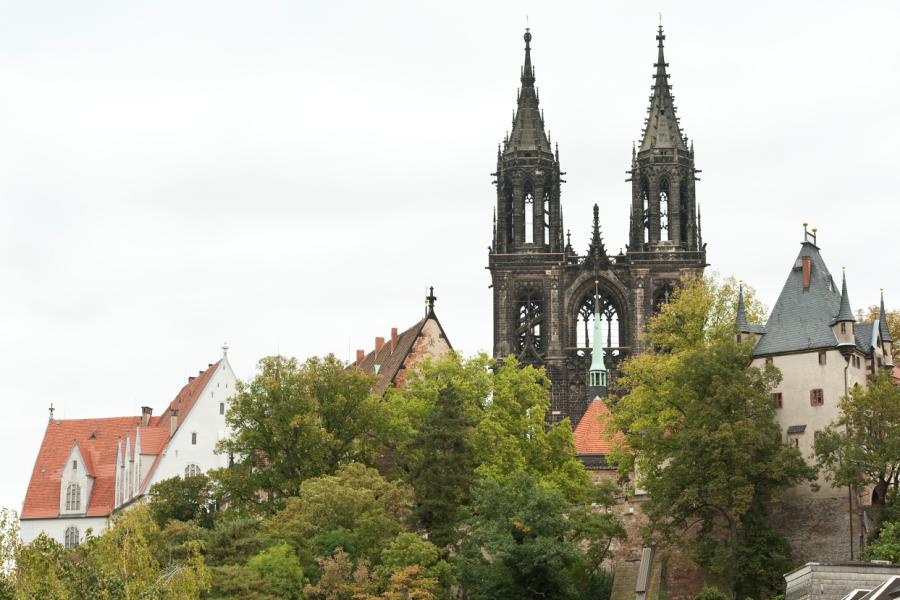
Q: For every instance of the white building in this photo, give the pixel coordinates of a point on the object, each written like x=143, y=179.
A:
x=87, y=469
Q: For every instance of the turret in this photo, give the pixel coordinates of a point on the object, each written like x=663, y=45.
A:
x=844, y=321
x=884, y=332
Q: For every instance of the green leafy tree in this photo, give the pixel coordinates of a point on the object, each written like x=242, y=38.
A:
x=9, y=545
x=519, y=543
x=513, y=436
x=355, y=504
x=341, y=580
x=862, y=447
x=887, y=545
x=698, y=426
x=293, y=422
x=409, y=550
x=446, y=398
x=43, y=570
x=183, y=499
x=278, y=566
x=234, y=539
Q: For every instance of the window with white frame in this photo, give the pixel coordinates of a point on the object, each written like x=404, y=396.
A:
x=192, y=470
x=72, y=538
x=73, y=497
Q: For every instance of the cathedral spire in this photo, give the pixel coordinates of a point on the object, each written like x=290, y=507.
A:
x=528, y=123
x=662, y=130
x=597, y=252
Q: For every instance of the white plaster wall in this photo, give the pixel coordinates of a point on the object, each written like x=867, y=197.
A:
x=56, y=528
x=205, y=420
x=800, y=374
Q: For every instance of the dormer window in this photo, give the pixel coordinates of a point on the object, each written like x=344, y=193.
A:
x=73, y=497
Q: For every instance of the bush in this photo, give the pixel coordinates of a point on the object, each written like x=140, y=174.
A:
x=710, y=593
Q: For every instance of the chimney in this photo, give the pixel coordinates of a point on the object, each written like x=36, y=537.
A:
x=146, y=412
x=379, y=344
x=360, y=356
x=807, y=267
x=394, y=339
x=173, y=422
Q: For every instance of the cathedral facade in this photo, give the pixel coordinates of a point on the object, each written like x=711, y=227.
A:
x=545, y=293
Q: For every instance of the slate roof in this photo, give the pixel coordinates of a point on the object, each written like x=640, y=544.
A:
x=97, y=440
x=802, y=318
x=390, y=359
x=863, y=333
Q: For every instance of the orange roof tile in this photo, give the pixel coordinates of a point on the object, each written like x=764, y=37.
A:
x=97, y=439
x=590, y=435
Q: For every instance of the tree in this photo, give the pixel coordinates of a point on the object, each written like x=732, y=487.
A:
x=9, y=545
x=447, y=400
x=518, y=543
x=513, y=436
x=862, y=447
x=699, y=428
x=278, y=566
x=183, y=499
x=893, y=320
x=340, y=580
x=293, y=422
x=355, y=509
x=887, y=546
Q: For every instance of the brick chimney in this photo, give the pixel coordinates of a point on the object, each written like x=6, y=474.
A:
x=379, y=344
x=807, y=268
x=394, y=339
x=360, y=356
x=146, y=413
x=173, y=422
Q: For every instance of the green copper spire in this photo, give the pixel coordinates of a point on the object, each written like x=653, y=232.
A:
x=597, y=375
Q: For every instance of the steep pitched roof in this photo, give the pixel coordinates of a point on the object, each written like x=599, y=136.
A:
x=845, y=313
x=802, y=317
x=98, y=441
x=390, y=358
x=590, y=434
x=863, y=333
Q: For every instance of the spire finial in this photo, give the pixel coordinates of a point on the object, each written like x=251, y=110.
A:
x=527, y=69
x=225, y=350
x=429, y=301
x=51, y=412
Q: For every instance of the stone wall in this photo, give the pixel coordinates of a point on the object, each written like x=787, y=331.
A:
x=816, y=527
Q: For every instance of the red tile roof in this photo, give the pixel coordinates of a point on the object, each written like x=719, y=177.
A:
x=97, y=439
x=590, y=435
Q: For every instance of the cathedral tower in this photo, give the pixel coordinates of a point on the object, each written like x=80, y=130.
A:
x=550, y=303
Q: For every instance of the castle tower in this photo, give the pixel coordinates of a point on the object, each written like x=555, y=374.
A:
x=561, y=310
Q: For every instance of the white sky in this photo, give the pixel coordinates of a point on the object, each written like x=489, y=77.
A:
x=289, y=176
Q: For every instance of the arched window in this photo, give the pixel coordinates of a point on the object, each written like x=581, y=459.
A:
x=645, y=203
x=683, y=208
x=507, y=215
x=72, y=538
x=584, y=329
x=192, y=470
x=546, y=214
x=529, y=325
x=529, y=215
x=664, y=209
x=662, y=295
x=73, y=497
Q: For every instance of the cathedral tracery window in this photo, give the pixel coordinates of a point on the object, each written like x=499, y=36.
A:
x=529, y=215
x=529, y=325
x=72, y=538
x=645, y=203
x=192, y=470
x=664, y=210
x=662, y=296
x=507, y=217
x=585, y=322
x=546, y=213
x=683, y=208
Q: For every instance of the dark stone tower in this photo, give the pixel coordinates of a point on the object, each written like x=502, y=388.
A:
x=544, y=292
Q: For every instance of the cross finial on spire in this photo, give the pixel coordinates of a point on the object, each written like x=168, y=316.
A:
x=429, y=301
x=51, y=412
x=527, y=70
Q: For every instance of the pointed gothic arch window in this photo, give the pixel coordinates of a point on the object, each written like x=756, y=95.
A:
x=664, y=209
x=530, y=325
x=192, y=470
x=645, y=215
x=683, y=209
x=546, y=213
x=662, y=296
x=529, y=214
x=584, y=330
x=507, y=216
x=72, y=538
x=73, y=497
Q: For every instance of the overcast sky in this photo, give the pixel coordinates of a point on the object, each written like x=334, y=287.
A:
x=290, y=176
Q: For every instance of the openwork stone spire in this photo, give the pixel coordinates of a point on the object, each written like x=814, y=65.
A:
x=596, y=255
x=528, y=123
x=663, y=129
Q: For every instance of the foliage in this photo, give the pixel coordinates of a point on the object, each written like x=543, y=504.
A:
x=710, y=593
x=293, y=422
x=887, y=545
x=409, y=550
x=234, y=539
x=513, y=436
x=233, y=581
x=278, y=566
x=893, y=320
x=699, y=427
x=340, y=580
x=761, y=558
x=356, y=504
x=449, y=395
x=183, y=499
x=9, y=545
x=862, y=446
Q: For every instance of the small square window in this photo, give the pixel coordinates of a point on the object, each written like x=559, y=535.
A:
x=194, y=438
x=816, y=397
x=795, y=442
x=777, y=400
x=823, y=357
x=770, y=361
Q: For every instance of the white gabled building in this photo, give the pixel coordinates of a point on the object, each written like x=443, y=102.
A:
x=87, y=469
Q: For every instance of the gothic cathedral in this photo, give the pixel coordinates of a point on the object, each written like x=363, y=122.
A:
x=546, y=295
